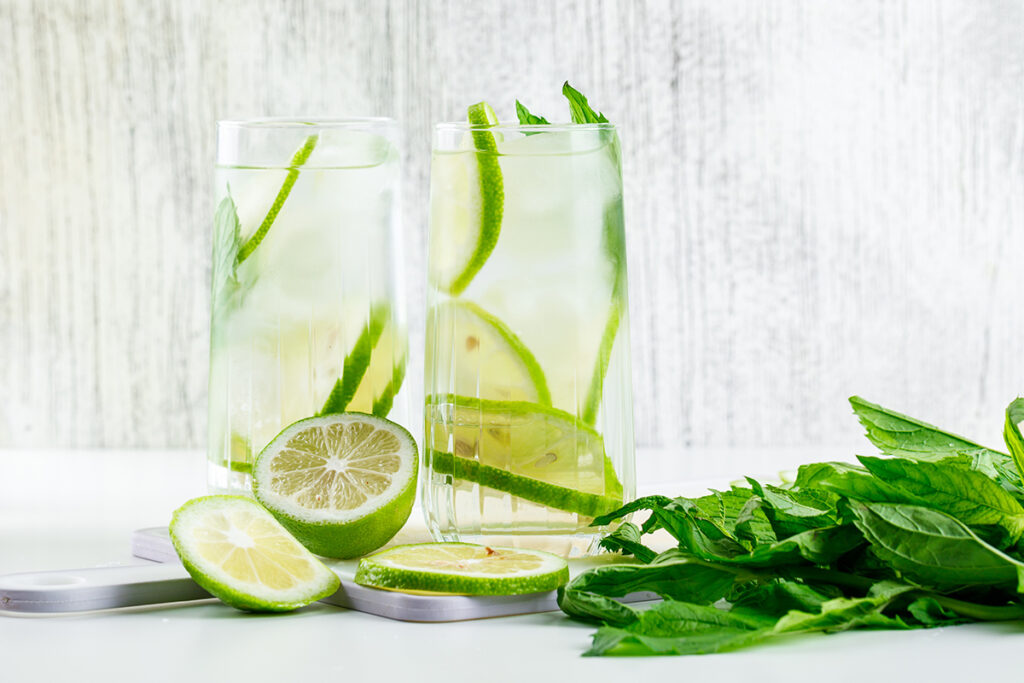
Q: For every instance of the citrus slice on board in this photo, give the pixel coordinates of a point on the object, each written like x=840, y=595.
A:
x=237, y=551
x=343, y=484
x=462, y=569
x=476, y=354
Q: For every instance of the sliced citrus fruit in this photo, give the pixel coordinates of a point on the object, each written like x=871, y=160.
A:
x=343, y=484
x=536, y=452
x=238, y=552
x=468, y=201
x=463, y=569
x=476, y=354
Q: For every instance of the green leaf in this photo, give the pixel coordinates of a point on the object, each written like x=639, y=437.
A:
x=1011, y=433
x=752, y=524
x=927, y=611
x=226, y=241
x=933, y=549
x=898, y=434
x=645, y=503
x=841, y=614
x=627, y=540
x=953, y=487
x=579, y=109
x=590, y=596
x=792, y=511
x=780, y=596
x=526, y=118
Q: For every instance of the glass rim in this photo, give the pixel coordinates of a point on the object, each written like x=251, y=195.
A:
x=298, y=122
x=523, y=127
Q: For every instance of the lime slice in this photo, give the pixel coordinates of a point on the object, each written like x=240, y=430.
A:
x=343, y=484
x=476, y=354
x=238, y=552
x=536, y=452
x=468, y=200
x=463, y=569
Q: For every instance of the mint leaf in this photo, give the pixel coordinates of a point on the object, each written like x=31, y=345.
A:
x=932, y=548
x=226, y=241
x=627, y=539
x=1011, y=433
x=897, y=434
x=792, y=512
x=579, y=109
x=526, y=118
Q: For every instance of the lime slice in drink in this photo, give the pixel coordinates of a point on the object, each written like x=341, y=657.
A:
x=462, y=568
x=468, y=201
x=481, y=355
x=373, y=370
x=343, y=484
x=238, y=552
x=536, y=452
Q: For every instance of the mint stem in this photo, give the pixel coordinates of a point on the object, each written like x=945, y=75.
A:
x=293, y=174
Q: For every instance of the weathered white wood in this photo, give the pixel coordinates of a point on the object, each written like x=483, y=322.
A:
x=822, y=198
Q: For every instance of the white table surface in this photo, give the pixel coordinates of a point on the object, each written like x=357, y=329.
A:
x=68, y=509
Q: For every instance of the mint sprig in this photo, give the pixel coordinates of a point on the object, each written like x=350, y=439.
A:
x=927, y=535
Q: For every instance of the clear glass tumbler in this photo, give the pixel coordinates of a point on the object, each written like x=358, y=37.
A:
x=307, y=314
x=528, y=411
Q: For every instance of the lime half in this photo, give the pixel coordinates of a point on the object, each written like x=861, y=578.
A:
x=464, y=569
x=238, y=552
x=476, y=354
x=536, y=452
x=343, y=484
x=468, y=203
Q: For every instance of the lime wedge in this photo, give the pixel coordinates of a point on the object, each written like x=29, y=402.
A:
x=238, y=552
x=343, y=484
x=462, y=569
x=536, y=452
x=476, y=354
x=468, y=203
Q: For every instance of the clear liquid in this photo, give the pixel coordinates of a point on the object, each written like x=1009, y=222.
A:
x=285, y=319
x=556, y=280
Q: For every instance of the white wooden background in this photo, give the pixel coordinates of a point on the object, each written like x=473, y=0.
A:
x=822, y=198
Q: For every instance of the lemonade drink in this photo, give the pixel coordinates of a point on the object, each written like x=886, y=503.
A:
x=528, y=414
x=307, y=313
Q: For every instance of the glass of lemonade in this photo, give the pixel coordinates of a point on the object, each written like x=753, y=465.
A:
x=528, y=410
x=307, y=307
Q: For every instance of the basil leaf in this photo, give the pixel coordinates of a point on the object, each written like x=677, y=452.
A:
x=932, y=548
x=952, y=487
x=1011, y=433
x=898, y=434
x=792, y=512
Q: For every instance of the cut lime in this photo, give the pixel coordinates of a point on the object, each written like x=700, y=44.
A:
x=476, y=354
x=343, y=484
x=536, y=452
x=373, y=370
x=463, y=569
x=469, y=201
x=238, y=552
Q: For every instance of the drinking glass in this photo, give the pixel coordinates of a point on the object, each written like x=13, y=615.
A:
x=307, y=306
x=528, y=398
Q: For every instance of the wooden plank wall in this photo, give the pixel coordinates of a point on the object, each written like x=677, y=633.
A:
x=822, y=198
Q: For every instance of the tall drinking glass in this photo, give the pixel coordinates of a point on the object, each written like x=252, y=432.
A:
x=307, y=306
x=528, y=410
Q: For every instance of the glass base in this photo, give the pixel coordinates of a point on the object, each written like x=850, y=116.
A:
x=224, y=480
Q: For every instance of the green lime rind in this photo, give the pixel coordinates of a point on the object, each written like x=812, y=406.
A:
x=613, y=240
x=339, y=538
x=527, y=488
x=373, y=571
x=516, y=346
x=492, y=195
x=484, y=405
x=237, y=594
x=383, y=403
x=357, y=361
x=300, y=158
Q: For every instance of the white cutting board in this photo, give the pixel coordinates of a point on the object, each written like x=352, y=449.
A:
x=78, y=590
